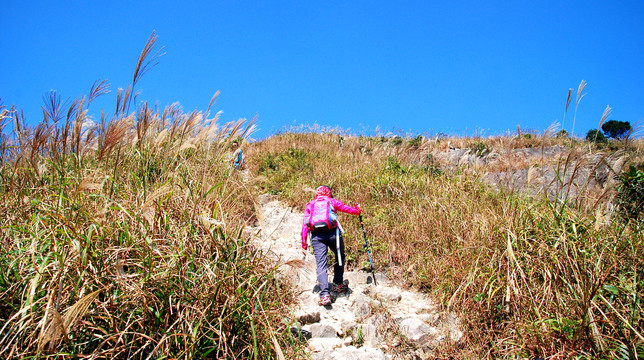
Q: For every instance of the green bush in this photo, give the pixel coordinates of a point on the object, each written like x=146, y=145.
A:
x=416, y=141
x=481, y=149
x=616, y=129
x=630, y=192
x=596, y=136
x=562, y=134
x=394, y=166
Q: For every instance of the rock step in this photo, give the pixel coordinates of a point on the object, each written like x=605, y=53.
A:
x=352, y=353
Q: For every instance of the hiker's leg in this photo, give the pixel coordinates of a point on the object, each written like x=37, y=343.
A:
x=338, y=271
x=320, y=250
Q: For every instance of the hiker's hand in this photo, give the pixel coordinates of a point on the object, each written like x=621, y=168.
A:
x=359, y=209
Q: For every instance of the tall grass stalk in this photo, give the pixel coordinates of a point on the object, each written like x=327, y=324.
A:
x=605, y=116
x=568, y=99
x=582, y=85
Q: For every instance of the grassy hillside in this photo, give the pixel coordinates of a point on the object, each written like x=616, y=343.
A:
x=121, y=237
x=554, y=276
x=129, y=243
x=124, y=240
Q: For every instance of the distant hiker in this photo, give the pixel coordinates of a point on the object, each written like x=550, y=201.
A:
x=239, y=162
x=321, y=222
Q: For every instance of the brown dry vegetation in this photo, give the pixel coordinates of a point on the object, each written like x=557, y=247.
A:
x=123, y=239
x=555, y=276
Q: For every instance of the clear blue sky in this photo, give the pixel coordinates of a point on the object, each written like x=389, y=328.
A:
x=457, y=67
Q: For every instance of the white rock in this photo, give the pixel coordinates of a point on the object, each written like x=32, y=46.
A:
x=415, y=329
x=361, y=305
x=323, y=331
x=348, y=324
x=353, y=353
x=390, y=295
x=325, y=344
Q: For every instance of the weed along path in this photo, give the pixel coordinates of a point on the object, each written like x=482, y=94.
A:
x=370, y=322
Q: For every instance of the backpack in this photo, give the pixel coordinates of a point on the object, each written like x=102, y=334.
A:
x=239, y=160
x=323, y=216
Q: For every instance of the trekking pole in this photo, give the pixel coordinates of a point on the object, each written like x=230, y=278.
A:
x=367, y=246
x=338, y=231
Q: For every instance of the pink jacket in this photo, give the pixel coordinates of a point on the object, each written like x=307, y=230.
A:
x=337, y=205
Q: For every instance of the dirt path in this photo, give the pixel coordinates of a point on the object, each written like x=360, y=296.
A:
x=371, y=322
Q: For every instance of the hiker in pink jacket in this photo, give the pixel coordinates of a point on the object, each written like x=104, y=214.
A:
x=320, y=220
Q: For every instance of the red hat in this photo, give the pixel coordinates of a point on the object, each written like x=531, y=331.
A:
x=323, y=191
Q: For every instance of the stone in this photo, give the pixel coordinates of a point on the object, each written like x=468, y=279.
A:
x=323, y=331
x=324, y=345
x=357, y=278
x=390, y=295
x=415, y=329
x=300, y=333
x=381, y=278
x=348, y=324
x=353, y=353
x=266, y=198
x=353, y=278
x=361, y=305
x=308, y=317
x=311, y=301
x=369, y=334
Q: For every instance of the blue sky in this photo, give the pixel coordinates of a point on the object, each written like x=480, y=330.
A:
x=457, y=67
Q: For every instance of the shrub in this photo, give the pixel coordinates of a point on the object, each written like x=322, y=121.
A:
x=481, y=149
x=630, y=192
x=415, y=142
x=397, y=140
x=393, y=165
x=596, y=136
x=562, y=134
x=616, y=129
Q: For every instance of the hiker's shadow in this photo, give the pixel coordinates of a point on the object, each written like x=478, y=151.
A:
x=335, y=296
x=344, y=294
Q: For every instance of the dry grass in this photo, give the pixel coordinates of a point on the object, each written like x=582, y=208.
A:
x=104, y=251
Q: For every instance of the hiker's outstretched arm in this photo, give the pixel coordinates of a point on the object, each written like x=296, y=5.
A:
x=340, y=206
x=305, y=227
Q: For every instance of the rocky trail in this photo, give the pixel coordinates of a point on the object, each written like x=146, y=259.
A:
x=371, y=321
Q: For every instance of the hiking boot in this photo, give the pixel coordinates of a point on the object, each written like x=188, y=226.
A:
x=325, y=300
x=341, y=288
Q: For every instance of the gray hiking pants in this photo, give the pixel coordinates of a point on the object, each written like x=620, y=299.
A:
x=321, y=242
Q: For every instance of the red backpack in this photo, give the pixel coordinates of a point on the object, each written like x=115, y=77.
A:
x=323, y=216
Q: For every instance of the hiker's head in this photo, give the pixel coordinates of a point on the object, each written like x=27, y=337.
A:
x=235, y=144
x=323, y=191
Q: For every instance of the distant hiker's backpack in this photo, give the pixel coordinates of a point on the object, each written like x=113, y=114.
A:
x=323, y=216
x=240, y=164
